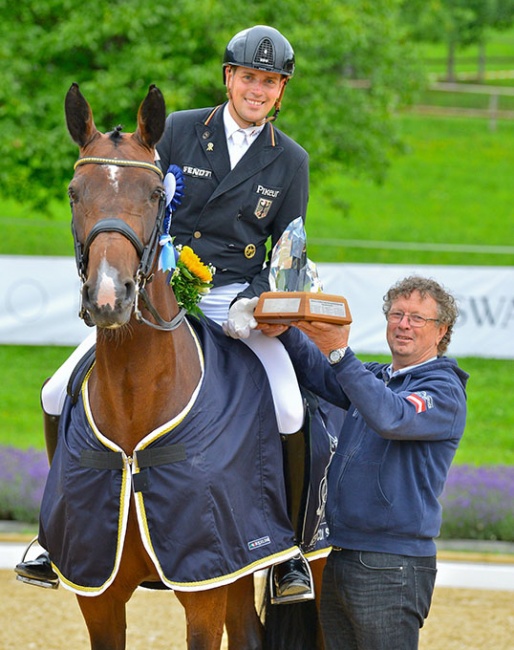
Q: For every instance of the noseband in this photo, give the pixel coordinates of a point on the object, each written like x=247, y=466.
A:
x=146, y=253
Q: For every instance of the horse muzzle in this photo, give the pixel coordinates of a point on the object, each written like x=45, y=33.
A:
x=108, y=304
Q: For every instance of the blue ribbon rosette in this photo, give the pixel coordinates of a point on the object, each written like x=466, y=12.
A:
x=174, y=189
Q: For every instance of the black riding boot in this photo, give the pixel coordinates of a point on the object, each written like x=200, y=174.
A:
x=51, y=429
x=39, y=571
x=291, y=581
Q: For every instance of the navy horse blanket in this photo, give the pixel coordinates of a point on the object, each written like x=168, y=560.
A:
x=208, y=486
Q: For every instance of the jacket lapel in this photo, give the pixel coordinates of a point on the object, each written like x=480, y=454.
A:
x=261, y=154
x=212, y=141
x=211, y=137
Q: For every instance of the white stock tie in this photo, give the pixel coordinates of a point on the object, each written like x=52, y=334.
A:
x=240, y=145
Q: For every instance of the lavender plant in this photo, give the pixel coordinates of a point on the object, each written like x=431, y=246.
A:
x=22, y=481
x=478, y=503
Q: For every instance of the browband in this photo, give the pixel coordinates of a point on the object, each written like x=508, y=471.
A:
x=119, y=163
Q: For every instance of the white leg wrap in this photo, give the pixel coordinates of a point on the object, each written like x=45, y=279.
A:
x=287, y=398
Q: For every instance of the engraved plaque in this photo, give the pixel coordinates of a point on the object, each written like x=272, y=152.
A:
x=288, y=306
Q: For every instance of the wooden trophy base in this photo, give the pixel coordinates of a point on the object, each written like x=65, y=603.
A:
x=288, y=306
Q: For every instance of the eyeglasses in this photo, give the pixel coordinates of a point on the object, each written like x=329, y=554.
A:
x=396, y=317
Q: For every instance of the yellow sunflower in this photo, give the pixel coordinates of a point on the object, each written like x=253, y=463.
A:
x=195, y=265
x=191, y=279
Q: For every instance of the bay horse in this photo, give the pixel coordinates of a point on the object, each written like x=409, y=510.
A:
x=156, y=374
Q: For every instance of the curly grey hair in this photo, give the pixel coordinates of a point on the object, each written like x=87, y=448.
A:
x=447, y=311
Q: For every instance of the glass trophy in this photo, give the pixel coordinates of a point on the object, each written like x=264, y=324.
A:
x=296, y=292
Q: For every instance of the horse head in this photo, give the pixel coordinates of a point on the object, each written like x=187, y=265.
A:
x=117, y=200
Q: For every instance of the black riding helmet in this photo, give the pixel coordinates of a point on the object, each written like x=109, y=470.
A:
x=262, y=48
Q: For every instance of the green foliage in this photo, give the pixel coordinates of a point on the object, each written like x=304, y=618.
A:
x=190, y=280
x=115, y=49
x=457, y=21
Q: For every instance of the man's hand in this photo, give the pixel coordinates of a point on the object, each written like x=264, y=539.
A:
x=272, y=329
x=327, y=336
x=240, y=320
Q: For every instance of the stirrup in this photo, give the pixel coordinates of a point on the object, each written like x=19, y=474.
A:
x=296, y=598
x=37, y=582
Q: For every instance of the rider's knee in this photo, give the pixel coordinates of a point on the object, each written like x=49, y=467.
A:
x=290, y=412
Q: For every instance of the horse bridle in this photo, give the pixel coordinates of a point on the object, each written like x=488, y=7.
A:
x=146, y=253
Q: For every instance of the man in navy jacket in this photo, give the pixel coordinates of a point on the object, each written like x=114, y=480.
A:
x=403, y=424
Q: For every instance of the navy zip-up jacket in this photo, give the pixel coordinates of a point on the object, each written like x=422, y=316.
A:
x=395, y=448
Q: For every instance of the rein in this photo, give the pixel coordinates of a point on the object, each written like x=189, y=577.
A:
x=147, y=254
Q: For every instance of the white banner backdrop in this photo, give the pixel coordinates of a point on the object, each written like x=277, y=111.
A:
x=485, y=296
x=39, y=303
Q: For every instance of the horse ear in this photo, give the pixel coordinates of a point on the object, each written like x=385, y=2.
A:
x=79, y=117
x=151, y=117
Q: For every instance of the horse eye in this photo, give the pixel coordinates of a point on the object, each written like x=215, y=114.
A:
x=157, y=194
x=72, y=194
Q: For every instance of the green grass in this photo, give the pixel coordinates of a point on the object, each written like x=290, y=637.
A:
x=488, y=438
x=453, y=186
x=27, y=232
x=23, y=371
x=465, y=100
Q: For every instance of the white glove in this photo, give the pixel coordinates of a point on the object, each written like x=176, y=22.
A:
x=240, y=318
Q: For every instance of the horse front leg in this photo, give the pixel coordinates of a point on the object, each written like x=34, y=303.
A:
x=205, y=617
x=106, y=621
x=244, y=628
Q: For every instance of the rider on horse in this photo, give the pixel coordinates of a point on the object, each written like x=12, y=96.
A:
x=238, y=196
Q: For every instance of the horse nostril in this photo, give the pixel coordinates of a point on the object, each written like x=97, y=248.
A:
x=130, y=290
x=85, y=294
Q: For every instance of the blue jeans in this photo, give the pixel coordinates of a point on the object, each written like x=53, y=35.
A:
x=375, y=601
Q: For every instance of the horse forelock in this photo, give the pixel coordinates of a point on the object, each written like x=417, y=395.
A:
x=116, y=145
x=116, y=134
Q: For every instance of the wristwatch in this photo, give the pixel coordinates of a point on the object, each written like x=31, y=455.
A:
x=335, y=356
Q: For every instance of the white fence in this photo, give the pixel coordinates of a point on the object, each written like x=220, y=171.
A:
x=39, y=303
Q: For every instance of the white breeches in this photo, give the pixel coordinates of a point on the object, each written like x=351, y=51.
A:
x=287, y=399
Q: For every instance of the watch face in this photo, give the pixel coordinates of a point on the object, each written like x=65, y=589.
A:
x=335, y=356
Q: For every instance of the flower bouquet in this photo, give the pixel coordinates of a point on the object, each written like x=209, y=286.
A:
x=191, y=279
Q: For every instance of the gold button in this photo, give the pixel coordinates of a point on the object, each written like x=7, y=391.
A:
x=249, y=251
x=197, y=234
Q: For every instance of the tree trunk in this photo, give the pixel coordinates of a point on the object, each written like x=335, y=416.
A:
x=481, y=61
